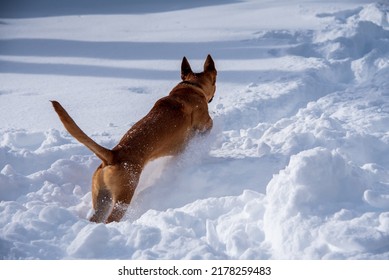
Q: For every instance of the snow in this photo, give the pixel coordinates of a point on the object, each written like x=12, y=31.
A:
x=296, y=166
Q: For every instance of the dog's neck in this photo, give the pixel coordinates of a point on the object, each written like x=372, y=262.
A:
x=196, y=85
x=191, y=84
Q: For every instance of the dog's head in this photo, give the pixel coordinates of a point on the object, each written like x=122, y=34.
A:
x=206, y=80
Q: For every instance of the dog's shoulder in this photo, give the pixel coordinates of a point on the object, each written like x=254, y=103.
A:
x=170, y=103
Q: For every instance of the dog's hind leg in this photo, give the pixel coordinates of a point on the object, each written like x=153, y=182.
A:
x=118, y=212
x=121, y=201
x=102, y=202
x=123, y=188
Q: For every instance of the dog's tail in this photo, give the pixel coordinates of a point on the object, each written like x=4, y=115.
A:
x=104, y=154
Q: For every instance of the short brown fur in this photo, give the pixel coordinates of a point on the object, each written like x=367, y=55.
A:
x=164, y=131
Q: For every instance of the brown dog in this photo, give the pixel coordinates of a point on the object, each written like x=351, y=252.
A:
x=164, y=131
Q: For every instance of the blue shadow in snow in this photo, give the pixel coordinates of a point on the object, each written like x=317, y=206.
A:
x=122, y=51
x=130, y=50
x=47, y=8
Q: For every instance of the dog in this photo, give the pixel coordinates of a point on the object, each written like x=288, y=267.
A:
x=164, y=131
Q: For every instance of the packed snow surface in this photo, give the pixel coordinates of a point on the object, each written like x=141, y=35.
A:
x=296, y=166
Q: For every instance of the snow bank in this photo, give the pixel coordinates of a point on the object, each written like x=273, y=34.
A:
x=296, y=166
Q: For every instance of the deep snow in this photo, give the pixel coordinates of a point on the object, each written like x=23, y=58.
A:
x=296, y=166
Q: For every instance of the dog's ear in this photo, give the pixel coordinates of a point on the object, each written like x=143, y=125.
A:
x=209, y=65
x=185, y=68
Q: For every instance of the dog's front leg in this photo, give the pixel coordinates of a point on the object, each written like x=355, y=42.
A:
x=209, y=125
x=206, y=128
